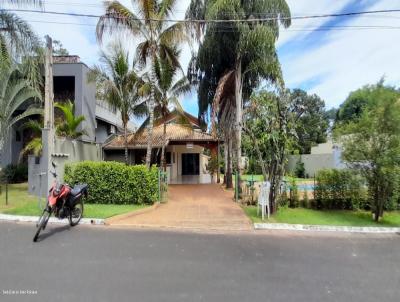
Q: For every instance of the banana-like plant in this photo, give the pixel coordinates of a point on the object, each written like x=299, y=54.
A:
x=69, y=124
x=15, y=93
x=35, y=145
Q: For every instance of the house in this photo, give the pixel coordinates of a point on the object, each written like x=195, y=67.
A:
x=185, y=152
x=323, y=156
x=70, y=79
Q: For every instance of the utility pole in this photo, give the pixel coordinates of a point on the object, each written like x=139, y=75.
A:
x=48, y=130
x=48, y=93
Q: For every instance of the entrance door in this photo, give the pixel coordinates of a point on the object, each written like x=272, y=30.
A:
x=190, y=164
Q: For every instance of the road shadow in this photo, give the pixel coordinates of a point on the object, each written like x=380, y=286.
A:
x=53, y=231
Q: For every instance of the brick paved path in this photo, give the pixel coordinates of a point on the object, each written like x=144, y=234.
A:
x=192, y=206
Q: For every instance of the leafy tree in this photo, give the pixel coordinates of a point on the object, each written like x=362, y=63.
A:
x=118, y=84
x=365, y=97
x=312, y=126
x=15, y=91
x=371, y=144
x=331, y=114
x=245, y=48
x=58, y=49
x=269, y=122
x=299, y=169
x=68, y=125
x=159, y=39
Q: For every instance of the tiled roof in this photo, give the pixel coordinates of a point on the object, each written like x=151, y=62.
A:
x=175, y=133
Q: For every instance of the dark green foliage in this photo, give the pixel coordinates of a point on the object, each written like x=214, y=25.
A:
x=299, y=170
x=14, y=173
x=115, y=183
x=312, y=123
x=305, y=202
x=293, y=193
x=371, y=144
x=340, y=190
x=364, y=98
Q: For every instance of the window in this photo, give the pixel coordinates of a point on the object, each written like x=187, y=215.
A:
x=168, y=158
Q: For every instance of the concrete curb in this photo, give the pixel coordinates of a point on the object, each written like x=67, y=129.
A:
x=324, y=228
x=18, y=218
x=111, y=220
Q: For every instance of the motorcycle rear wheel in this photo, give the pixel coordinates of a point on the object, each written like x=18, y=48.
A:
x=76, y=213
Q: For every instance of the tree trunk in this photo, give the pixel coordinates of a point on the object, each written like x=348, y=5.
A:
x=229, y=165
x=163, y=162
x=126, y=143
x=218, y=169
x=238, y=126
x=225, y=159
x=151, y=120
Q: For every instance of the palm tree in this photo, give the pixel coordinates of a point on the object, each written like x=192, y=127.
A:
x=16, y=36
x=167, y=92
x=247, y=50
x=67, y=126
x=15, y=92
x=149, y=23
x=118, y=84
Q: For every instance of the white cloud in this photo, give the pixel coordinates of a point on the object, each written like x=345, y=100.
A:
x=349, y=59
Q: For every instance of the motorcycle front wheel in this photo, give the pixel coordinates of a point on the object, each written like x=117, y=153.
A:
x=43, y=220
x=76, y=213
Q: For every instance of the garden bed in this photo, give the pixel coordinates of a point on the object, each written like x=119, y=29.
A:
x=316, y=217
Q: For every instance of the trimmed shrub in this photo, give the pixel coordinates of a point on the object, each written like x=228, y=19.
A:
x=115, y=183
x=340, y=190
x=300, y=170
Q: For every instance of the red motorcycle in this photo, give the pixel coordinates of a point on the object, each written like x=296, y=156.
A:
x=64, y=202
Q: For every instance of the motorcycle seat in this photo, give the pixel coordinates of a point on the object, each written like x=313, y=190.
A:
x=78, y=189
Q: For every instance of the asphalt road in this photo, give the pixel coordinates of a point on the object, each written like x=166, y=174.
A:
x=103, y=264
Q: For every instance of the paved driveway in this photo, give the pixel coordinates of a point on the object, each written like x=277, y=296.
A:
x=192, y=206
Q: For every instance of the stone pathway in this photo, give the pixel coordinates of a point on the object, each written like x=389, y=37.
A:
x=191, y=206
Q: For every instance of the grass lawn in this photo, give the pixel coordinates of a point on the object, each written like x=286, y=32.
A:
x=21, y=203
x=340, y=218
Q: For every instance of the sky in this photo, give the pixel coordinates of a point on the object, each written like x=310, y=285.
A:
x=329, y=57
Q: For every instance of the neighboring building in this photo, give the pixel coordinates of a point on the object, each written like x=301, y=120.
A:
x=70, y=77
x=323, y=156
x=185, y=147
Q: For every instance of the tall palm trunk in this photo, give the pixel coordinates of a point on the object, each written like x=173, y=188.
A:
x=229, y=165
x=163, y=161
x=126, y=143
x=238, y=126
x=151, y=120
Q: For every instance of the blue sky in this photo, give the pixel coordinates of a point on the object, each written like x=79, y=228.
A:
x=328, y=62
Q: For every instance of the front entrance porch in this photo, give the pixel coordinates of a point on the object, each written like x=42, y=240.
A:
x=190, y=180
x=206, y=207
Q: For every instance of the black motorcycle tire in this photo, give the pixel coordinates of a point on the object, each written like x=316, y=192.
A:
x=44, y=219
x=74, y=220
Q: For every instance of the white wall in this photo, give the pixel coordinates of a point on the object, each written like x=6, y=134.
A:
x=175, y=169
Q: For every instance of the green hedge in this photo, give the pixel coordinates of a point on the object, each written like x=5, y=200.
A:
x=115, y=183
x=340, y=189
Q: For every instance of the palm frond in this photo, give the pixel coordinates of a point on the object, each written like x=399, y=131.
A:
x=118, y=18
